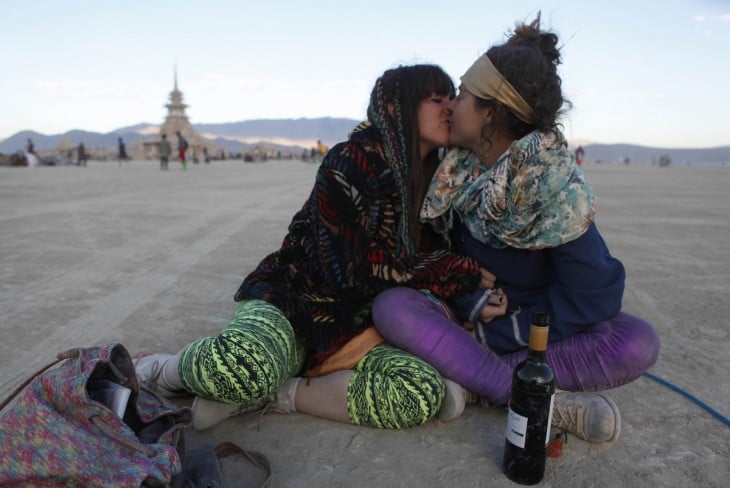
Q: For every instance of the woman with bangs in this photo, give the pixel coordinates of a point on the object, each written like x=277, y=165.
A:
x=305, y=310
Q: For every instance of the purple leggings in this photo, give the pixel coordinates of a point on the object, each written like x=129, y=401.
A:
x=608, y=354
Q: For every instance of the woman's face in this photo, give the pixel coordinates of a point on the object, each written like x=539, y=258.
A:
x=467, y=120
x=433, y=123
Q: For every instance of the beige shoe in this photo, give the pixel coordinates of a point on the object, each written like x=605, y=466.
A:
x=283, y=397
x=593, y=417
x=150, y=370
x=208, y=413
x=454, y=402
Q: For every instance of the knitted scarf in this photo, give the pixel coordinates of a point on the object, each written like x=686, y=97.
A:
x=396, y=155
x=534, y=197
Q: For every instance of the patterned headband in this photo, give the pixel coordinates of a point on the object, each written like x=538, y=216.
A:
x=484, y=80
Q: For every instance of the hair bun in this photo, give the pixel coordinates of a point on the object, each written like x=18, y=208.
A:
x=529, y=60
x=530, y=35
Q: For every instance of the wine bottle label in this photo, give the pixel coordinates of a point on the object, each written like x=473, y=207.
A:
x=516, y=428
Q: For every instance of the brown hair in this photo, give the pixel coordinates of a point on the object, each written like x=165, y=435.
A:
x=528, y=60
x=403, y=89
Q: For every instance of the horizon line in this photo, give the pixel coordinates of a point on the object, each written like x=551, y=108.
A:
x=136, y=128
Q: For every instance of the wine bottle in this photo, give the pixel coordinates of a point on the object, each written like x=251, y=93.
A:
x=530, y=410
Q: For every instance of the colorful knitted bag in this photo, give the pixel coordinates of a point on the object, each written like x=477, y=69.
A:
x=61, y=431
x=56, y=435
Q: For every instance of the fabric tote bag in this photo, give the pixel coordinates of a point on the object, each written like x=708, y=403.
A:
x=87, y=422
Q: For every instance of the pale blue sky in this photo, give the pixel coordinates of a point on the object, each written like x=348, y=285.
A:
x=649, y=73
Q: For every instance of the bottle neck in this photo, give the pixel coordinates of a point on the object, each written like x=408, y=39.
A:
x=536, y=356
x=538, y=343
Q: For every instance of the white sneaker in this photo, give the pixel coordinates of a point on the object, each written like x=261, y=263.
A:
x=454, y=401
x=150, y=373
x=593, y=417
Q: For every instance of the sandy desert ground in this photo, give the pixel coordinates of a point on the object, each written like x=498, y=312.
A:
x=151, y=259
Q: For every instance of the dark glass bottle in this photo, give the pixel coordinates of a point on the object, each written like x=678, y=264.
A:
x=530, y=410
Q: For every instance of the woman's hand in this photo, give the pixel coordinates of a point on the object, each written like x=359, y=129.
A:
x=488, y=279
x=496, y=306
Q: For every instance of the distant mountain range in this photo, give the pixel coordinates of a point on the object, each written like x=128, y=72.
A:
x=298, y=134
x=289, y=134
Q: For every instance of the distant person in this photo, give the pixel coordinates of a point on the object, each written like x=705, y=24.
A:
x=321, y=151
x=82, y=156
x=164, y=150
x=122, y=156
x=28, y=159
x=579, y=155
x=29, y=147
x=182, y=149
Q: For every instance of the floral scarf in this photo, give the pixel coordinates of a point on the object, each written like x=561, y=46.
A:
x=534, y=197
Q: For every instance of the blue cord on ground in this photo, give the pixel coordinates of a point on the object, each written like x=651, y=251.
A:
x=696, y=400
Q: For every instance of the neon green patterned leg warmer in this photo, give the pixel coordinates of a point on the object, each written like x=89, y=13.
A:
x=392, y=389
x=251, y=357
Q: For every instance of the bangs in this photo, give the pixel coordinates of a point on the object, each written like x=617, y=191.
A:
x=433, y=80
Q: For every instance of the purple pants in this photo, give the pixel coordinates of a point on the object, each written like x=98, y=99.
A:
x=608, y=354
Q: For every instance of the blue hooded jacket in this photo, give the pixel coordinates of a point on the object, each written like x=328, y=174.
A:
x=577, y=283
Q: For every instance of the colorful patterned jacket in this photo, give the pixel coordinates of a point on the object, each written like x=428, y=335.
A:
x=342, y=249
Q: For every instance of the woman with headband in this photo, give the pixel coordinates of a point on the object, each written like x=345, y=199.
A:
x=513, y=197
x=305, y=310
